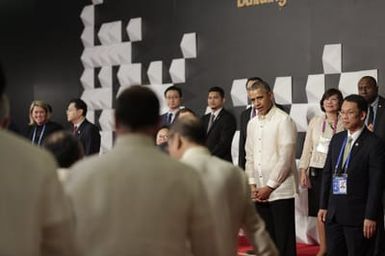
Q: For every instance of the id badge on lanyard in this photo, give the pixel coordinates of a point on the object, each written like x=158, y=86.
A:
x=323, y=145
x=340, y=176
x=340, y=184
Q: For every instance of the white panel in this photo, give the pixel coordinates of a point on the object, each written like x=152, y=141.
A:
x=154, y=72
x=234, y=148
x=208, y=110
x=106, y=141
x=349, y=80
x=159, y=91
x=315, y=87
x=134, y=29
x=313, y=109
x=283, y=90
x=87, y=79
x=88, y=15
x=95, y=2
x=105, y=77
x=110, y=33
x=130, y=74
x=239, y=92
x=120, y=54
x=332, y=58
x=177, y=71
x=98, y=56
x=86, y=58
x=106, y=120
x=298, y=114
x=97, y=99
x=91, y=116
x=188, y=45
x=88, y=36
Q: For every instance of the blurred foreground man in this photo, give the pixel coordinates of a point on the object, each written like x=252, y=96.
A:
x=226, y=186
x=35, y=215
x=135, y=200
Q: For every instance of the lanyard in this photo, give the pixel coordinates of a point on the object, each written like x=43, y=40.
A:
x=334, y=128
x=345, y=167
x=40, y=137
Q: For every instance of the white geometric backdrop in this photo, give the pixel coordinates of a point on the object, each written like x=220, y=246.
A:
x=114, y=52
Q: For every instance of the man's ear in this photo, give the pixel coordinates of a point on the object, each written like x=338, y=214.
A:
x=178, y=140
x=362, y=115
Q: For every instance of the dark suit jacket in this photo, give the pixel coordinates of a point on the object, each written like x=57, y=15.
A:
x=89, y=136
x=379, y=125
x=365, y=181
x=50, y=127
x=163, y=120
x=245, y=118
x=220, y=136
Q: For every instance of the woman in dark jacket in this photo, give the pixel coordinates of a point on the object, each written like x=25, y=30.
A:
x=40, y=125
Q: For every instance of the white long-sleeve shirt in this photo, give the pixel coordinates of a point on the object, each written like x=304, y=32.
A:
x=270, y=153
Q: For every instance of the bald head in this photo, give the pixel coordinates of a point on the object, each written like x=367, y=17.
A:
x=190, y=128
x=367, y=88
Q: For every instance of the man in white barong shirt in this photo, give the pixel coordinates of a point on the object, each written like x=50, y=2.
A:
x=270, y=165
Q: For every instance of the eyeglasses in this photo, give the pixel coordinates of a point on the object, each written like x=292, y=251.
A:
x=348, y=113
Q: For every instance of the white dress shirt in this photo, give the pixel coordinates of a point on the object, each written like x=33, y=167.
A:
x=270, y=153
x=35, y=217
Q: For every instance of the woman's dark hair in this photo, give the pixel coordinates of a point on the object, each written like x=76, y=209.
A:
x=328, y=94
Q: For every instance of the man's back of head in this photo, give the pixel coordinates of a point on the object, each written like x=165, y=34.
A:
x=137, y=110
x=191, y=128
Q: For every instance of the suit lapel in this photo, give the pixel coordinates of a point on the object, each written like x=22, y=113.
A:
x=359, y=143
x=79, y=132
x=380, y=111
x=216, y=120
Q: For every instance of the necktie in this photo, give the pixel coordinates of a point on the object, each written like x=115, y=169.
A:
x=211, y=122
x=370, y=116
x=347, y=150
x=169, y=118
x=75, y=129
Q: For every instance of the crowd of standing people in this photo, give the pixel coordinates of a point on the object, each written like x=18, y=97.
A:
x=182, y=195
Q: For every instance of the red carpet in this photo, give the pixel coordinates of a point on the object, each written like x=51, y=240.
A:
x=302, y=249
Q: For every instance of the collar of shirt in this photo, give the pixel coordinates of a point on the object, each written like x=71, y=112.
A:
x=356, y=134
x=76, y=126
x=375, y=103
x=134, y=140
x=173, y=112
x=268, y=115
x=216, y=113
x=196, y=150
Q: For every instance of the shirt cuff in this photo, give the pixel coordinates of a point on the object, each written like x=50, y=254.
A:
x=252, y=181
x=272, y=184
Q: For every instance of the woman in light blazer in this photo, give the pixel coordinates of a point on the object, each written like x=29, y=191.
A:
x=318, y=135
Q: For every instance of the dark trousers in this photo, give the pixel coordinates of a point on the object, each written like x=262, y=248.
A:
x=280, y=223
x=348, y=240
